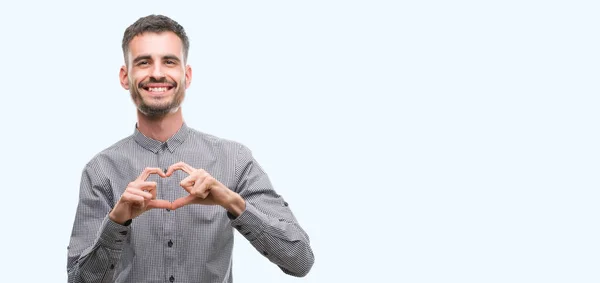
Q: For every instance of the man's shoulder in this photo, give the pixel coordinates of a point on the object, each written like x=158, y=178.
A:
x=116, y=149
x=213, y=140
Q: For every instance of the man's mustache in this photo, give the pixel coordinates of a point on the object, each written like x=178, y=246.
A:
x=153, y=80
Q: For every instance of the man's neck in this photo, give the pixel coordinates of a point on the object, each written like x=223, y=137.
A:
x=160, y=128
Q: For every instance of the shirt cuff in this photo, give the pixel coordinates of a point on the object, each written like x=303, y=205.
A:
x=112, y=234
x=250, y=223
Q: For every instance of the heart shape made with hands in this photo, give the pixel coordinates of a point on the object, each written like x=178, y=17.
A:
x=202, y=187
x=140, y=195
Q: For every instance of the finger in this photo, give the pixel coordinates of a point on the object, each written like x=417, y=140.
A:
x=202, y=190
x=133, y=199
x=180, y=202
x=148, y=186
x=180, y=166
x=188, y=183
x=150, y=170
x=159, y=203
x=144, y=194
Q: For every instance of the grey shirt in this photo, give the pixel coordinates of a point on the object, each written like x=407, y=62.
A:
x=193, y=243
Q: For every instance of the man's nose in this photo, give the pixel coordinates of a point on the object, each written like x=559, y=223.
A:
x=157, y=72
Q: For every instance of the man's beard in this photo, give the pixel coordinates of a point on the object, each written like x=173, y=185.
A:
x=155, y=111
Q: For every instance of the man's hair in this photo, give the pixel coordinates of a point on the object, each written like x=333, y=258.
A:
x=156, y=24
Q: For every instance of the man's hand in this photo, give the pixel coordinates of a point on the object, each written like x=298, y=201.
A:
x=139, y=197
x=204, y=189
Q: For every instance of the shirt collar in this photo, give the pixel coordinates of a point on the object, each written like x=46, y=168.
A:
x=153, y=145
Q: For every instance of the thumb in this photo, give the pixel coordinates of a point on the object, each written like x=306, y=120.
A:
x=158, y=203
x=180, y=202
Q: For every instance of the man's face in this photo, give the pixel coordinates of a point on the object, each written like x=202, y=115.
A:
x=156, y=75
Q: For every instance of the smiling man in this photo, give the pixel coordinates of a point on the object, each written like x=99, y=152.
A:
x=162, y=204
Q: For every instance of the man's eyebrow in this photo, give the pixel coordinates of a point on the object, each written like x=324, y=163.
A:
x=171, y=57
x=142, y=57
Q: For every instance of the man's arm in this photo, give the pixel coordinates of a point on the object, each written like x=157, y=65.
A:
x=96, y=241
x=100, y=231
x=260, y=214
x=267, y=221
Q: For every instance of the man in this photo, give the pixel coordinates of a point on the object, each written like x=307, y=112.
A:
x=161, y=204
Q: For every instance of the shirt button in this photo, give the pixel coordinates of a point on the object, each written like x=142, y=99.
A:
x=265, y=253
x=171, y=279
x=165, y=170
x=238, y=226
x=168, y=210
x=112, y=266
x=170, y=243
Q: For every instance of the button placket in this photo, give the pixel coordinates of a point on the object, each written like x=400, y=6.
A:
x=169, y=216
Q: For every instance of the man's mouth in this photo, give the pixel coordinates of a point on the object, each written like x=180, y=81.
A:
x=156, y=88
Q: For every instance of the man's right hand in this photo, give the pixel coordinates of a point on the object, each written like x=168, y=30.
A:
x=139, y=197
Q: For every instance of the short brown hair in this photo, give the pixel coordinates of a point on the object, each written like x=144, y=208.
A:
x=156, y=24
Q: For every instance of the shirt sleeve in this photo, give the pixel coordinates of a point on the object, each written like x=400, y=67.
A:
x=96, y=241
x=267, y=222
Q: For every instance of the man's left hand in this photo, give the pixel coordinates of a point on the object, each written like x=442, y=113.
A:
x=206, y=190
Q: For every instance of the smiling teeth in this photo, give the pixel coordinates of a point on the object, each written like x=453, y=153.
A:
x=158, y=89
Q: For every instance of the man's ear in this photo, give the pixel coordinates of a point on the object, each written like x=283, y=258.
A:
x=188, y=76
x=124, y=77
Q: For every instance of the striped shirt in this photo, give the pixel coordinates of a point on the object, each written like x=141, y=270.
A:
x=193, y=243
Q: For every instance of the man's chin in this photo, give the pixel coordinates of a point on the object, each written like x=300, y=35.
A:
x=157, y=111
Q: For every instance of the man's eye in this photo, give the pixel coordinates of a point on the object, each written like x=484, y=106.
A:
x=141, y=63
x=170, y=62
